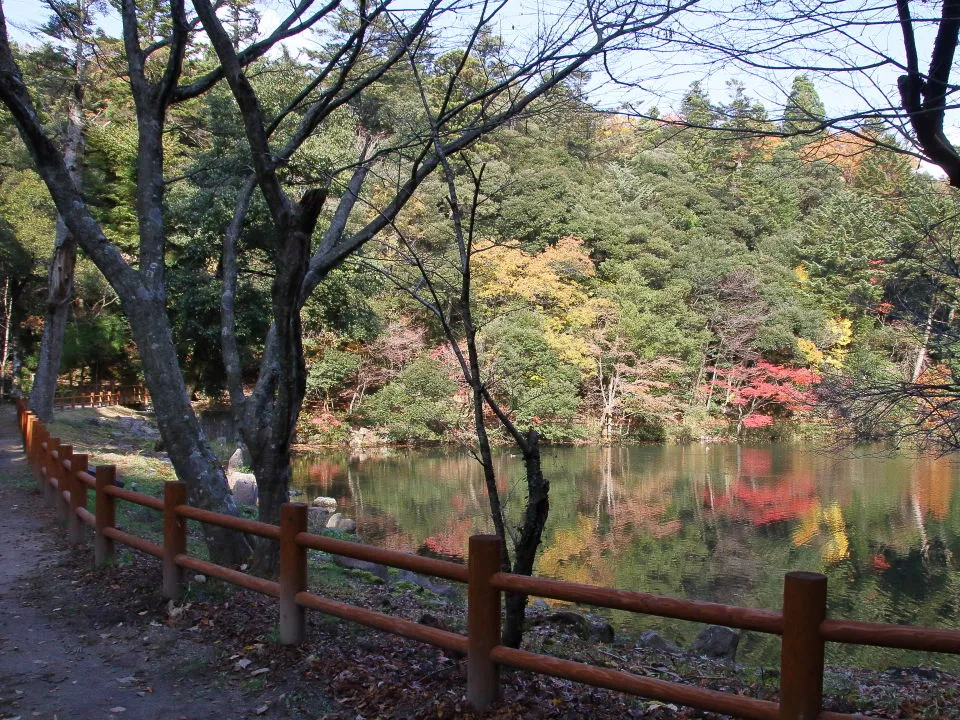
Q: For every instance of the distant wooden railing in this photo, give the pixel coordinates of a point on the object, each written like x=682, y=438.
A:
x=134, y=395
x=65, y=480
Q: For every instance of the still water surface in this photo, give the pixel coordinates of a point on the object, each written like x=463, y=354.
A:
x=720, y=523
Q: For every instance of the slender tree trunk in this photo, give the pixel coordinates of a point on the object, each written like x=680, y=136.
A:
x=270, y=415
x=7, y=318
x=60, y=278
x=525, y=551
x=921, y=360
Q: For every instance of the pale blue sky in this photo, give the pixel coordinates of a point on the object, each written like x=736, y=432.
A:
x=665, y=77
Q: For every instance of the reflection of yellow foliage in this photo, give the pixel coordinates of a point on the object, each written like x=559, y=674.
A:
x=836, y=545
x=575, y=556
x=808, y=528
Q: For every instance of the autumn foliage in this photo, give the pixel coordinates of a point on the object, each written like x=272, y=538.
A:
x=756, y=395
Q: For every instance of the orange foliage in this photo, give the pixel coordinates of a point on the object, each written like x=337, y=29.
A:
x=842, y=149
x=933, y=482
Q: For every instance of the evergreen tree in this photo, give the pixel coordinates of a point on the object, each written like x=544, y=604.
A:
x=804, y=111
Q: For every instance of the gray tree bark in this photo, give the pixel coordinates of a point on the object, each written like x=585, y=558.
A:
x=60, y=277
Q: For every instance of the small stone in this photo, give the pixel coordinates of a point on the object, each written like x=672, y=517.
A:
x=347, y=525
x=716, y=641
x=380, y=571
x=325, y=502
x=601, y=631
x=655, y=641
x=200, y=578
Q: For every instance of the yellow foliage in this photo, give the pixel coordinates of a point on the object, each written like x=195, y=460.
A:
x=800, y=271
x=838, y=337
x=810, y=352
x=550, y=282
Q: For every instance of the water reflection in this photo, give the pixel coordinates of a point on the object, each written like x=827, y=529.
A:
x=719, y=523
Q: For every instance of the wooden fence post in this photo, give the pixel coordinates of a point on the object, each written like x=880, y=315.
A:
x=801, y=650
x=78, y=499
x=106, y=515
x=36, y=461
x=28, y=428
x=174, y=538
x=63, y=482
x=293, y=573
x=483, y=621
x=50, y=465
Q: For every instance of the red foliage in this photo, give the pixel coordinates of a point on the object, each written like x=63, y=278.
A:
x=757, y=393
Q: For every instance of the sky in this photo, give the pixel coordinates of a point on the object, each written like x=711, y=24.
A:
x=666, y=76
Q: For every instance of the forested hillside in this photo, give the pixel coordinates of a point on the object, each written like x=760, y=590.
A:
x=702, y=272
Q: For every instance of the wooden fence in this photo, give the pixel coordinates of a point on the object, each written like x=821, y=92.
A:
x=133, y=395
x=65, y=479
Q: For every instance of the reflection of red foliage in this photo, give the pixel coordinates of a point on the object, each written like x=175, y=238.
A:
x=323, y=472
x=756, y=462
x=452, y=541
x=459, y=504
x=763, y=503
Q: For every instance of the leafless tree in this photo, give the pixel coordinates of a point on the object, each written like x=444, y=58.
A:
x=567, y=42
x=155, y=70
x=460, y=104
x=871, y=53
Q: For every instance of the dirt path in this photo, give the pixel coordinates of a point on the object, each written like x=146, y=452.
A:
x=59, y=660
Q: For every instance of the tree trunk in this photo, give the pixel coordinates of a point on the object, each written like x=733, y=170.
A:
x=525, y=551
x=270, y=414
x=187, y=447
x=921, y=361
x=7, y=318
x=60, y=278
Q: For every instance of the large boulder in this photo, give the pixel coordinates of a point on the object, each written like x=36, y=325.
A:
x=586, y=628
x=317, y=519
x=244, y=487
x=716, y=641
x=339, y=522
x=327, y=503
x=347, y=525
x=238, y=461
x=380, y=571
x=426, y=583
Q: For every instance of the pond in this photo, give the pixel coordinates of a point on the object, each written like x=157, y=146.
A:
x=718, y=523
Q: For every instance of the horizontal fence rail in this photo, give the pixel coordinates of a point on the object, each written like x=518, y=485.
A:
x=64, y=478
x=134, y=395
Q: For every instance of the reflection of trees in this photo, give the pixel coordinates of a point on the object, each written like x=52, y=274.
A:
x=755, y=496
x=641, y=518
x=828, y=523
